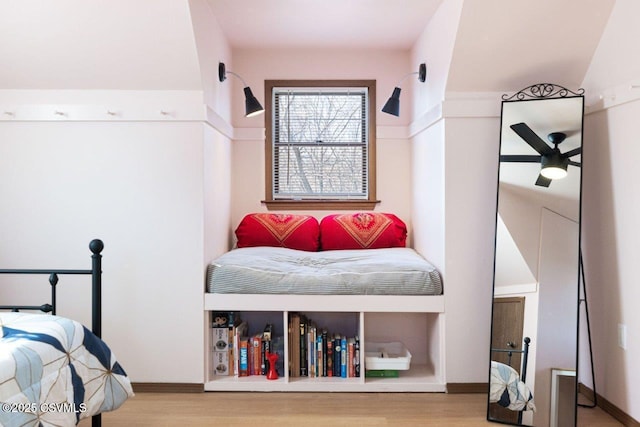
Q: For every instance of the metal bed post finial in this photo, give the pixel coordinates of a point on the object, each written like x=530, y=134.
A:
x=96, y=246
x=53, y=281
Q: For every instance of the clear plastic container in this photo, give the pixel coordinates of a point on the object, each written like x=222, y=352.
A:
x=391, y=355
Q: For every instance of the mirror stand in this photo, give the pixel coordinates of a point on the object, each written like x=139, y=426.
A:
x=583, y=300
x=536, y=290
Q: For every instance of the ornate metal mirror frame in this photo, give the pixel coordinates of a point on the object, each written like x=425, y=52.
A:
x=534, y=330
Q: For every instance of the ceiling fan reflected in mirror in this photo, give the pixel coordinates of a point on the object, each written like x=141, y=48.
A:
x=553, y=163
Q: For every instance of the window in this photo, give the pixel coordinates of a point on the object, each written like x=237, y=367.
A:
x=320, y=144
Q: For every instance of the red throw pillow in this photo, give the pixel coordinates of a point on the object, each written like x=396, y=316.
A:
x=300, y=232
x=366, y=230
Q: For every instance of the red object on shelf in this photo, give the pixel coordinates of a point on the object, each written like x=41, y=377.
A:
x=272, y=358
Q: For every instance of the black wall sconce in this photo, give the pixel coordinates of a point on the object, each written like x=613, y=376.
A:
x=252, y=106
x=392, y=106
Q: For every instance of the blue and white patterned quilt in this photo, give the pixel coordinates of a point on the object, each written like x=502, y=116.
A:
x=54, y=372
x=507, y=390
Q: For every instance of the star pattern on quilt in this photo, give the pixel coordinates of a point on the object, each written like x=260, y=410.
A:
x=56, y=360
x=507, y=390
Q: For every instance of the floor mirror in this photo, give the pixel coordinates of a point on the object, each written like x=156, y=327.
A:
x=534, y=330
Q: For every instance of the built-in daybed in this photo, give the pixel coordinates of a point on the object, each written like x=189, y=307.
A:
x=351, y=268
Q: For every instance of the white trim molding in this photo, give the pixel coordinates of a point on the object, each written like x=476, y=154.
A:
x=603, y=99
x=459, y=105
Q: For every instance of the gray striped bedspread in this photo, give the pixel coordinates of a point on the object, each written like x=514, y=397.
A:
x=274, y=270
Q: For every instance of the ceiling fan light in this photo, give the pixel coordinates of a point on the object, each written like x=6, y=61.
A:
x=554, y=165
x=554, y=172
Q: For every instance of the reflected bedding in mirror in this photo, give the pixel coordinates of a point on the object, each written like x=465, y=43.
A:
x=507, y=390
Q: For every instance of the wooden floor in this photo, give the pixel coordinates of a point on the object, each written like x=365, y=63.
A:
x=312, y=409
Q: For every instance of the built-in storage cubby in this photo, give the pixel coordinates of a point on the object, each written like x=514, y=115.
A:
x=415, y=321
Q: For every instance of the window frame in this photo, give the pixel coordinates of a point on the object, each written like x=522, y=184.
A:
x=320, y=204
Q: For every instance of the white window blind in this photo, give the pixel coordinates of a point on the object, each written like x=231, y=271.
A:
x=320, y=143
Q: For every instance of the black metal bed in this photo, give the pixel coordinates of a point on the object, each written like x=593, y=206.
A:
x=96, y=246
x=525, y=359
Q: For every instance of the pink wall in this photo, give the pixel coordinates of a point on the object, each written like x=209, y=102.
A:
x=386, y=67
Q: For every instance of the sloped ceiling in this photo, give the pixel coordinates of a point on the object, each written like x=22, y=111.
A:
x=617, y=59
x=326, y=23
x=115, y=44
x=506, y=45
x=501, y=45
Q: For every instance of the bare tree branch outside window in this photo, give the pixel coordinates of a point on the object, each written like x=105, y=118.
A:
x=320, y=143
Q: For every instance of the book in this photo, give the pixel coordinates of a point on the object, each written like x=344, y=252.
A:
x=325, y=338
x=381, y=373
x=266, y=347
x=231, y=341
x=220, y=363
x=337, y=355
x=294, y=345
x=220, y=345
x=329, y=357
x=311, y=346
x=343, y=357
x=239, y=332
x=303, y=347
x=350, y=362
x=319, y=356
x=243, y=366
x=356, y=357
x=255, y=355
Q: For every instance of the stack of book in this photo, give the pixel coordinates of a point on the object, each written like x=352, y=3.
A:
x=315, y=352
x=236, y=353
x=253, y=352
x=221, y=345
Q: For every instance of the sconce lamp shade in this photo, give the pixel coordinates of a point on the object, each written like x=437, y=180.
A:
x=252, y=106
x=392, y=106
x=554, y=165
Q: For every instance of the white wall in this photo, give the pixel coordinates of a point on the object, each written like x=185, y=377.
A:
x=511, y=268
x=428, y=210
x=454, y=197
x=470, y=200
x=212, y=48
x=610, y=246
x=138, y=187
x=522, y=214
x=148, y=171
x=610, y=230
x=556, y=343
